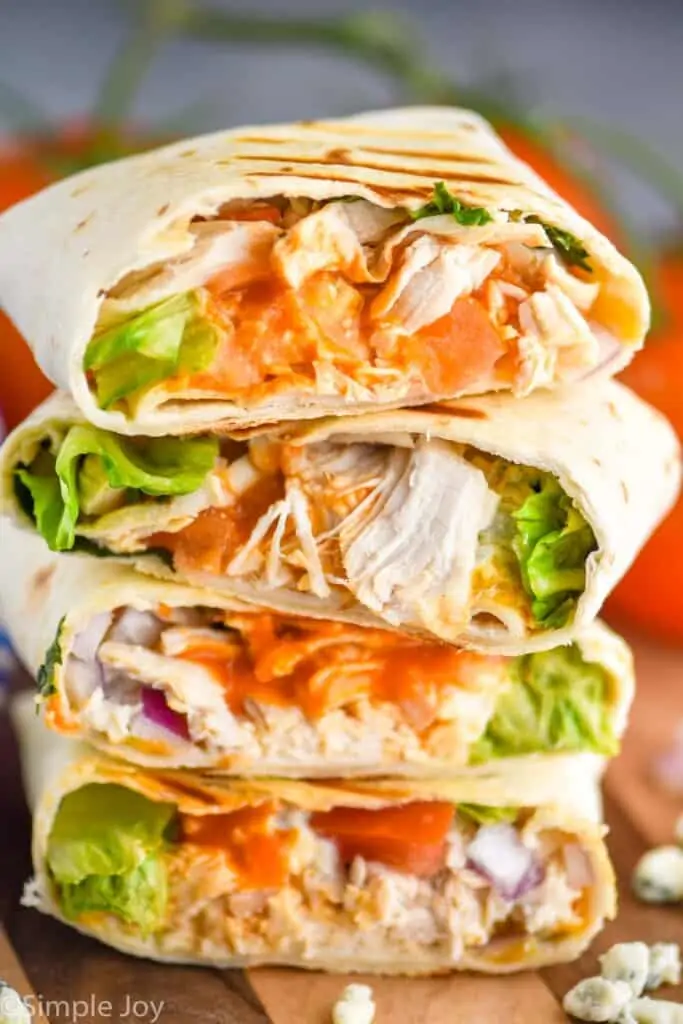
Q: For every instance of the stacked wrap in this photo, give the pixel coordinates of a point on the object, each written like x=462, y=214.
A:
x=307, y=555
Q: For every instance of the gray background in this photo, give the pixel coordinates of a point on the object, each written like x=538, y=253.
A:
x=617, y=60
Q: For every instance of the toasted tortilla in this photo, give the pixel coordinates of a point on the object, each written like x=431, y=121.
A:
x=75, y=240
x=577, y=819
x=616, y=458
x=61, y=595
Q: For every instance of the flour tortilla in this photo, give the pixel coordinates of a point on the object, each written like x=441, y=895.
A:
x=616, y=457
x=60, y=595
x=578, y=818
x=63, y=249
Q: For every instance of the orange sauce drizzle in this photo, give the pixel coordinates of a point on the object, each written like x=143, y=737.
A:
x=319, y=665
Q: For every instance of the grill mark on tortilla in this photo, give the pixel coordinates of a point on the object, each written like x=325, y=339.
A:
x=390, y=191
x=359, y=128
x=163, y=209
x=325, y=159
x=264, y=140
x=84, y=223
x=436, y=175
x=345, y=155
x=433, y=154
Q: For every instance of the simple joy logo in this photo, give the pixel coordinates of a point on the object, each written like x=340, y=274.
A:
x=128, y=1009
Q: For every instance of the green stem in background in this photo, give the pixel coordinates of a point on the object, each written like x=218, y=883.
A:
x=21, y=114
x=377, y=38
x=153, y=22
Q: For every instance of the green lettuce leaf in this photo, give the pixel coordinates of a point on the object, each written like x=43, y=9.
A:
x=159, y=466
x=150, y=346
x=104, y=854
x=138, y=897
x=557, y=703
x=552, y=542
x=45, y=502
x=481, y=814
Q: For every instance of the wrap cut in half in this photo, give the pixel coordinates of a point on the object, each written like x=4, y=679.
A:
x=329, y=267
x=392, y=877
x=170, y=676
x=497, y=525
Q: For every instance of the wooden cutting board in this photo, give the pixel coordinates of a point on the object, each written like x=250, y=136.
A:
x=99, y=985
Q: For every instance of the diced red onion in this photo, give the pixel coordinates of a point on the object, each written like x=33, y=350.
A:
x=155, y=708
x=87, y=642
x=499, y=855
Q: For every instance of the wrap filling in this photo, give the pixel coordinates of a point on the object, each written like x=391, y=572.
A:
x=273, y=882
x=427, y=534
x=351, y=302
x=206, y=688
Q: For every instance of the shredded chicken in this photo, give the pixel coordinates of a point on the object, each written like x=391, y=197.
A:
x=279, y=691
x=413, y=558
x=554, y=335
x=241, y=249
x=333, y=237
x=430, y=276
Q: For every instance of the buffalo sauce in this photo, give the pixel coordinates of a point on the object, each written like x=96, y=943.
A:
x=256, y=851
x=277, y=333
x=409, y=838
x=318, y=666
x=210, y=542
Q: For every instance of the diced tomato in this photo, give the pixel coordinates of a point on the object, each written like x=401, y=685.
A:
x=267, y=338
x=278, y=332
x=459, y=349
x=411, y=838
x=257, y=853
